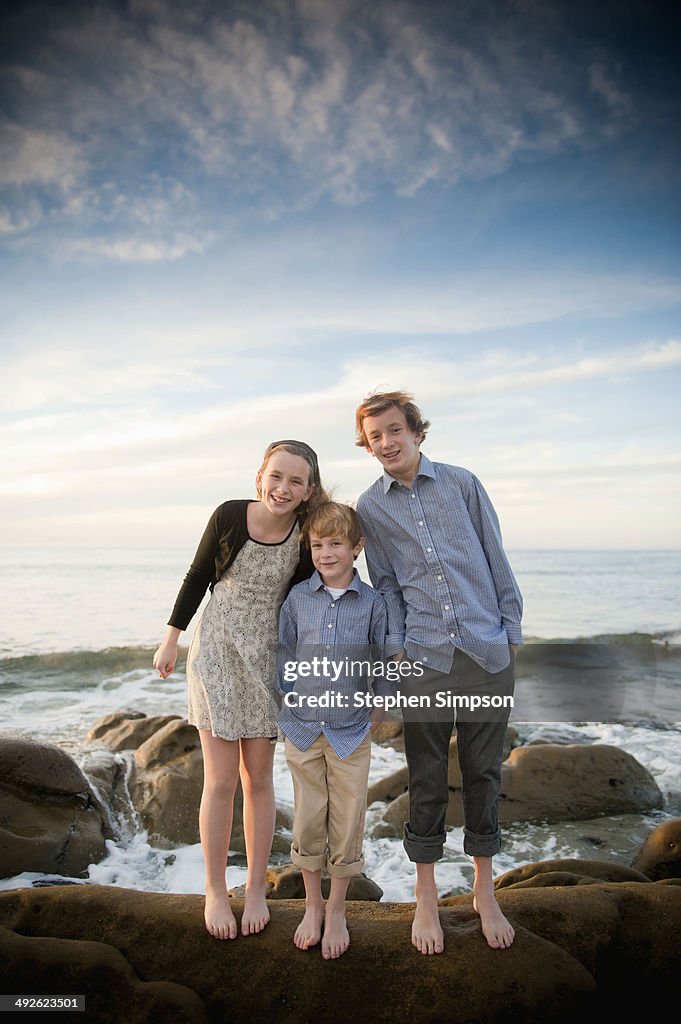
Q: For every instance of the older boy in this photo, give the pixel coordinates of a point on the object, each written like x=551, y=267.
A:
x=434, y=550
x=331, y=631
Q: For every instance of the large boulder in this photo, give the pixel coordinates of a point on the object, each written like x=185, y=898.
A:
x=50, y=819
x=579, y=953
x=552, y=782
x=660, y=855
x=555, y=782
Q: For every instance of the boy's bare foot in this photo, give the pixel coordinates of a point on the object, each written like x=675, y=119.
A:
x=220, y=920
x=336, y=936
x=256, y=912
x=426, y=931
x=309, y=931
x=495, y=927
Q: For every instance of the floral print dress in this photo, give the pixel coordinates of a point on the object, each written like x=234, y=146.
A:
x=231, y=663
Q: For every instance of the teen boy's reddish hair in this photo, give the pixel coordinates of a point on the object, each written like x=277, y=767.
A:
x=376, y=403
x=332, y=519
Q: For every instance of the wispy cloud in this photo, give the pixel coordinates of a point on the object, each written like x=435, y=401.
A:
x=276, y=105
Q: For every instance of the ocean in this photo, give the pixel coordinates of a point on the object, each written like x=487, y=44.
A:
x=80, y=625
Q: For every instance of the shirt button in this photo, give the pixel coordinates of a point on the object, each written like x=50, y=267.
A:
x=439, y=577
x=331, y=625
x=328, y=647
x=420, y=522
x=429, y=549
x=413, y=495
x=322, y=723
x=333, y=606
x=425, y=659
x=452, y=635
x=446, y=607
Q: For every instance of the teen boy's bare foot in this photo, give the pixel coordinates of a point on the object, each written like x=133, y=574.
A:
x=495, y=927
x=309, y=931
x=220, y=920
x=426, y=931
x=256, y=912
x=336, y=936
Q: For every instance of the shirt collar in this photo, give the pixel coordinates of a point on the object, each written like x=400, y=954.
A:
x=425, y=469
x=317, y=583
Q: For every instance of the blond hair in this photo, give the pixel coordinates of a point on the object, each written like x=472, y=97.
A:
x=379, y=401
x=332, y=519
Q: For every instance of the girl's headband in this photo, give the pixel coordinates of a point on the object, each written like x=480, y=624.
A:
x=299, y=444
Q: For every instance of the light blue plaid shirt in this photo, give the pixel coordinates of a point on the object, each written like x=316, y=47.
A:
x=434, y=551
x=350, y=628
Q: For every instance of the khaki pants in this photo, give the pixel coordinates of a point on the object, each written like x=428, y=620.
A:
x=330, y=805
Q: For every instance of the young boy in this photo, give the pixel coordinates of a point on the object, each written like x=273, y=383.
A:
x=434, y=550
x=331, y=632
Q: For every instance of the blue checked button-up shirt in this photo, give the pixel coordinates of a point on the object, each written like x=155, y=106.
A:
x=345, y=630
x=434, y=551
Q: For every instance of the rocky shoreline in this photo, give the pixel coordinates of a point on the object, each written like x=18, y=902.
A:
x=137, y=956
x=591, y=934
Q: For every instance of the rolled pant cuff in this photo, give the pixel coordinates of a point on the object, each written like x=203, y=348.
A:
x=345, y=870
x=481, y=846
x=423, y=850
x=311, y=862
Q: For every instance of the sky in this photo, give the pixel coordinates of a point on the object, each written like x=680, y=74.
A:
x=225, y=223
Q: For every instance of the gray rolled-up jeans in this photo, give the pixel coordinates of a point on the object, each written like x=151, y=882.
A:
x=480, y=741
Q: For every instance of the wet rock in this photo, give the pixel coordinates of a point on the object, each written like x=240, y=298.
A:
x=50, y=819
x=660, y=855
x=579, y=952
x=571, y=871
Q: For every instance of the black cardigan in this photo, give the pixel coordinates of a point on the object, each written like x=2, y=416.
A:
x=223, y=539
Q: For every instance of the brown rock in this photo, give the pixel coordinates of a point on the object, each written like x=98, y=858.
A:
x=50, y=819
x=126, y=730
x=285, y=882
x=99, y=971
x=576, y=872
x=389, y=788
x=578, y=952
x=166, y=783
x=554, y=782
x=660, y=855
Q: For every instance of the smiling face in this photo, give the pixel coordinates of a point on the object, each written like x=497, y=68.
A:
x=283, y=483
x=333, y=558
x=394, y=443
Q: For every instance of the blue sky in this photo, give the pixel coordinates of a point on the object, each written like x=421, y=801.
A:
x=224, y=223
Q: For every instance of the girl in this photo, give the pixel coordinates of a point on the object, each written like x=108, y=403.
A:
x=249, y=556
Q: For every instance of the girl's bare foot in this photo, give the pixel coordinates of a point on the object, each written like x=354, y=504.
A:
x=220, y=920
x=495, y=927
x=426, y=931
x=309, y=931
x=336, y=936
x=256, y=912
